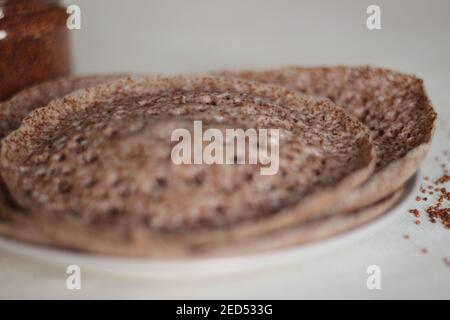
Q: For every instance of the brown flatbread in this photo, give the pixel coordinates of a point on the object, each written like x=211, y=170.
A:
x=97, y=163
x=394, y=106
x=14, y=110
x=52, y=232
x=317, y=229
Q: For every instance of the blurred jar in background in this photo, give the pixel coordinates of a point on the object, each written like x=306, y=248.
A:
x=34, y=43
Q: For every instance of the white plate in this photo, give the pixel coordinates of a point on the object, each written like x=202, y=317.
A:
x=212, y=266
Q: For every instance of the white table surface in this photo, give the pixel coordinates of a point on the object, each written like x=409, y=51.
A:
x=171, y=37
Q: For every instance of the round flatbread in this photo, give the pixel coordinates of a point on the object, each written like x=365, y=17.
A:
x=14, y=224
x=394, y=106
x=97, y=163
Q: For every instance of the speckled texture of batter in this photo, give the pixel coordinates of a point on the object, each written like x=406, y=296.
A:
x=104, y=158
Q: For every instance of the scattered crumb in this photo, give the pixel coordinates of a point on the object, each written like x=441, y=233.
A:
x=439, y=210
x=415, y=212
x=443, y=214
x=444, y=179
x=436, y=197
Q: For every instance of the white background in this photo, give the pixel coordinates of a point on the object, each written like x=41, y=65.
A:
x=194, y=36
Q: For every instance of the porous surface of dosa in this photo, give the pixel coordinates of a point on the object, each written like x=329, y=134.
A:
x=101, y=157
x=393, y=105
x=14, y=110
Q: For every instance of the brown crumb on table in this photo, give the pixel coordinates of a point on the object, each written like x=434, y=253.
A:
x=424, y=250
x=406, y=236
x=439, y=210
x=444, y=179
x=435, y=212
x=415, y=212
